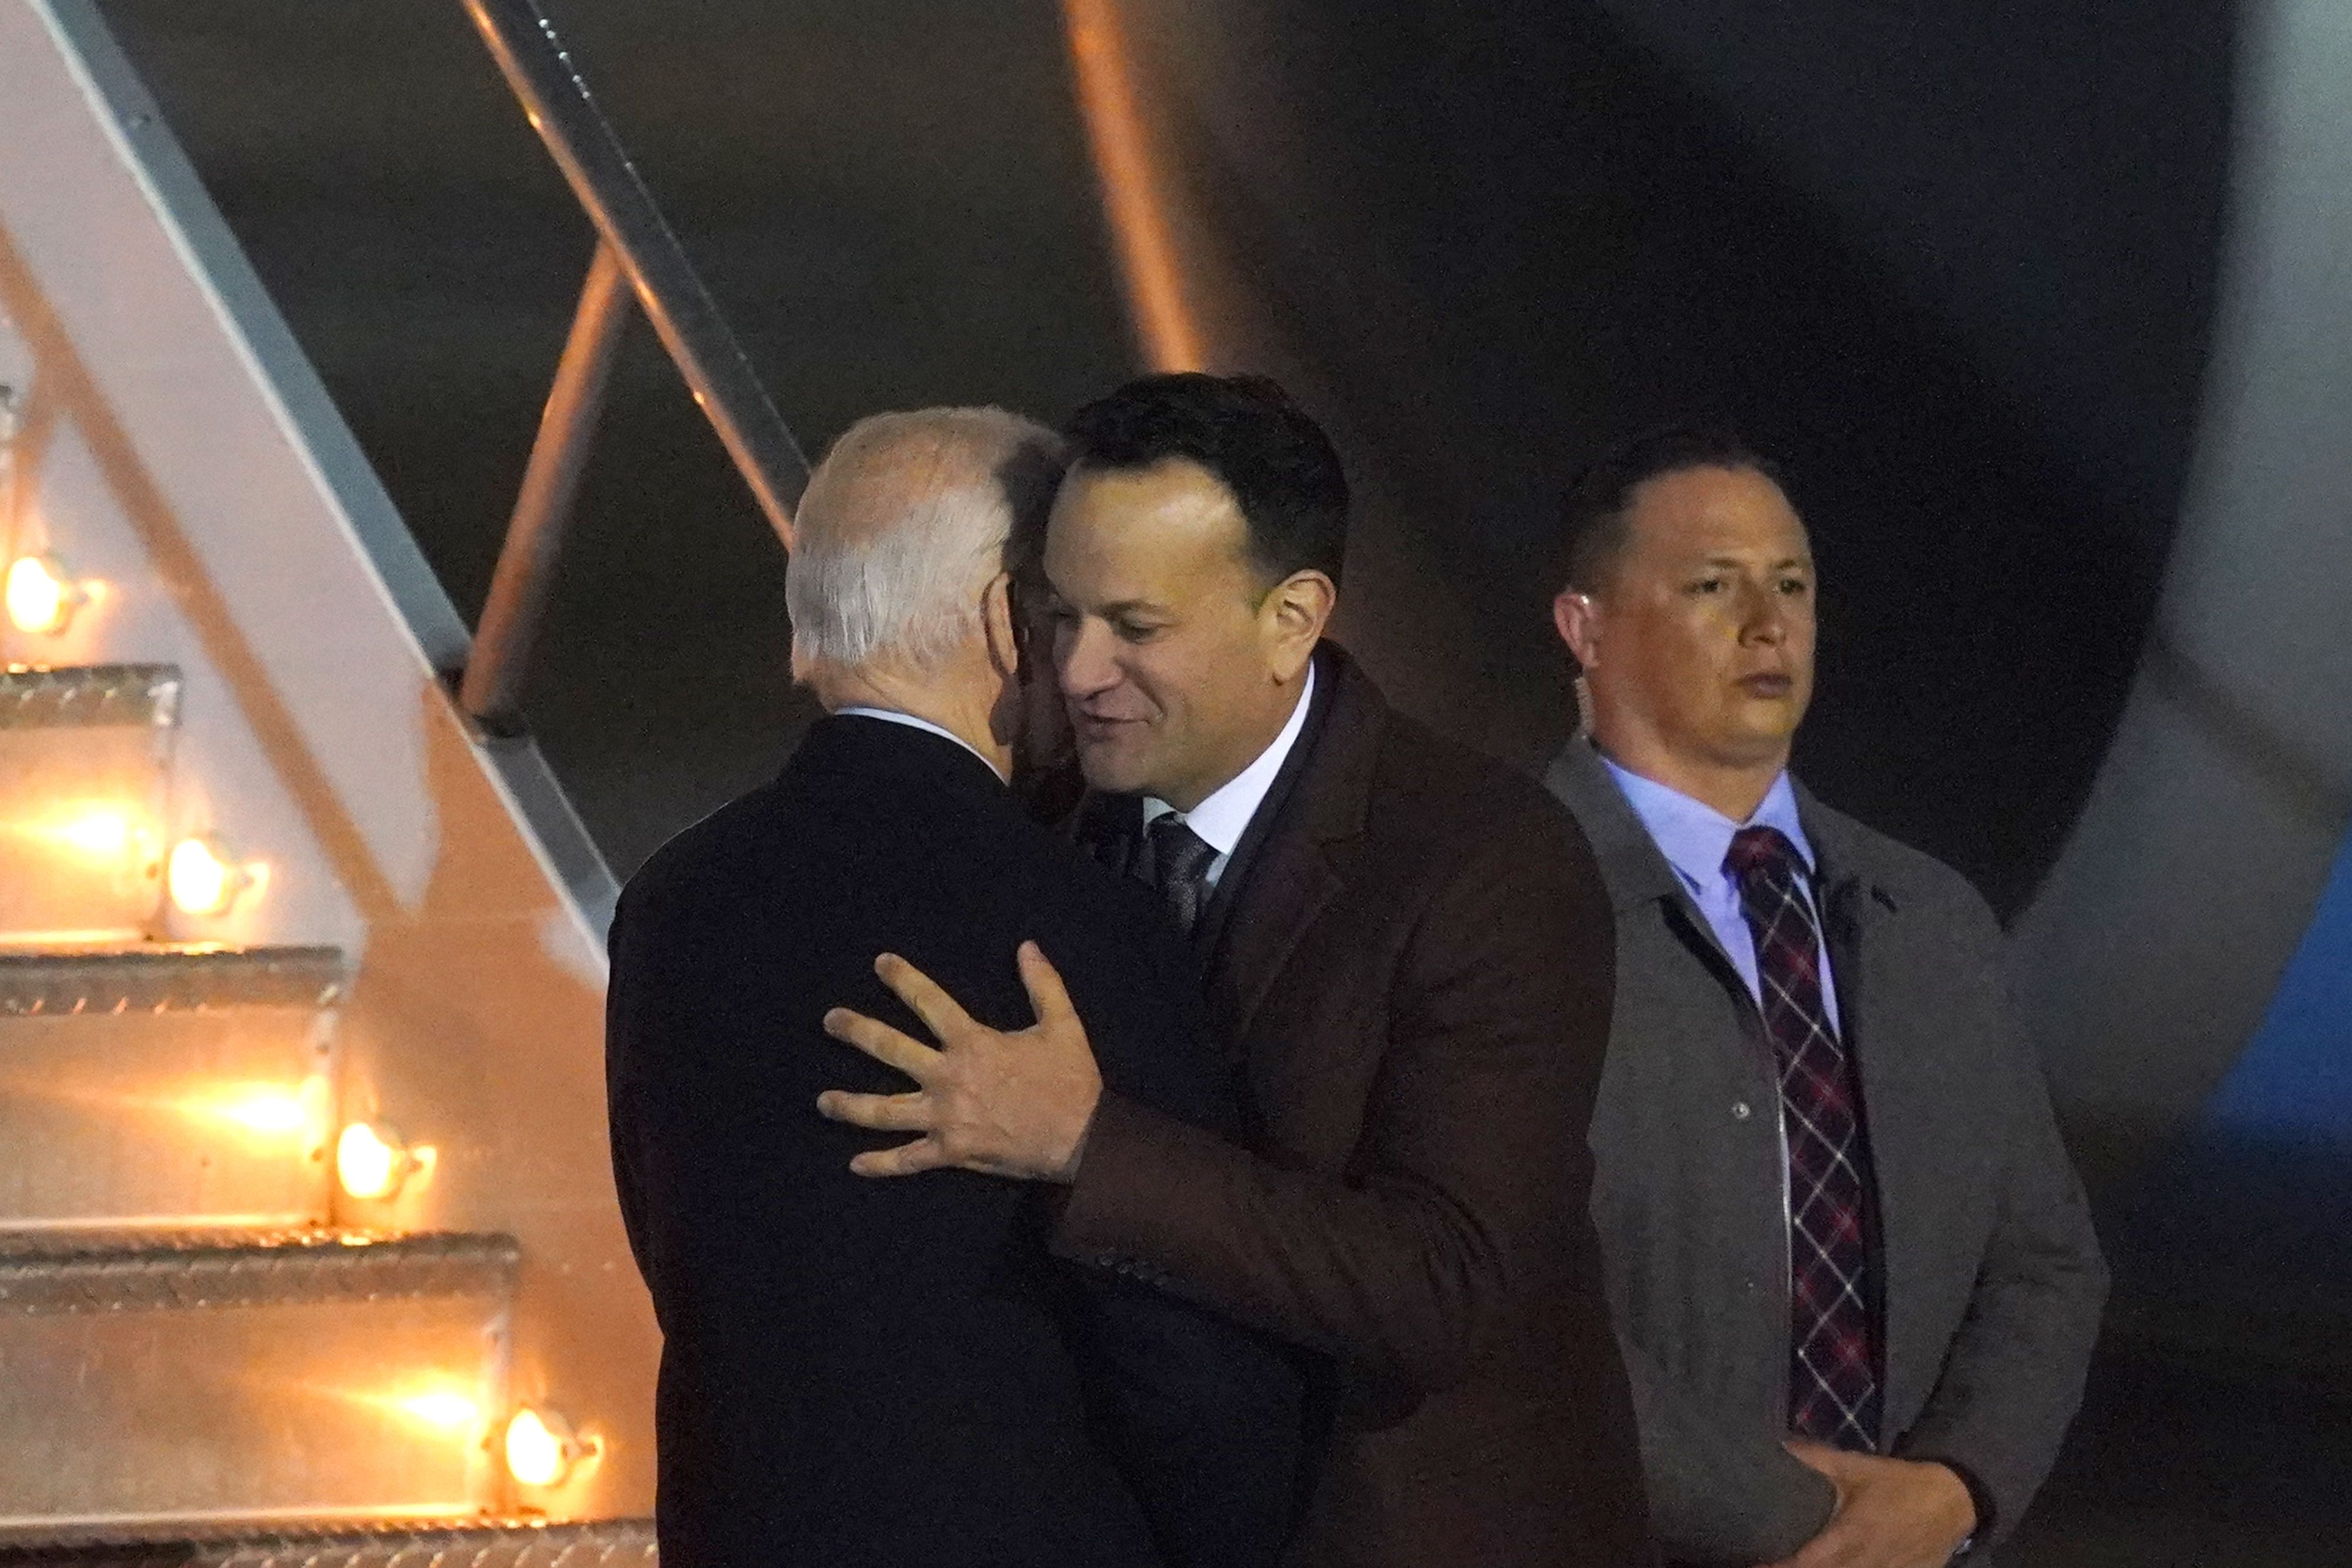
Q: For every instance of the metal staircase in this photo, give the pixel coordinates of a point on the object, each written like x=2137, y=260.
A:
x=197, y=1364
x=269, y=899
x=184, y=1339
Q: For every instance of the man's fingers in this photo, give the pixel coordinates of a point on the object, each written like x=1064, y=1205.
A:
x=883, y=1043
x=903, y=1159
x=1047, y=995
x=940, y=1011
x=883, y=1112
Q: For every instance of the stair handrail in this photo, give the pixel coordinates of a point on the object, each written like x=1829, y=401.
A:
x=636, y=245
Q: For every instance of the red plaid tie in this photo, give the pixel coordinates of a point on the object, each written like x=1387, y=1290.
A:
x=1833, y=1394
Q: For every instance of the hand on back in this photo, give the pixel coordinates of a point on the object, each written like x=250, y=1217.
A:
x=1010, y=1103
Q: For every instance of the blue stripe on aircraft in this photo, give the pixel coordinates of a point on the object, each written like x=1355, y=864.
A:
x=2294, y=1080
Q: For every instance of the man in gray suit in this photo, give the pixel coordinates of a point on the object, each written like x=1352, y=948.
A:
x=1849, y=1259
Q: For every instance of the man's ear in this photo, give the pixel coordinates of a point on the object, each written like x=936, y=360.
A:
x=1294, y=614
x=1577, y=618
x=996, y=624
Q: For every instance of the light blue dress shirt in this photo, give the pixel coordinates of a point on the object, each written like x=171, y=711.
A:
x=1695, y=838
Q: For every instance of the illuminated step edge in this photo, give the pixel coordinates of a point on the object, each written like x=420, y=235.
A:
x=608, y=1544
x=87, y=1271
x=166, y=979
x=35, y=696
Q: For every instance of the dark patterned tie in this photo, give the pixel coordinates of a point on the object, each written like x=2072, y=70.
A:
x=1179, y=866
x=1833, y=1394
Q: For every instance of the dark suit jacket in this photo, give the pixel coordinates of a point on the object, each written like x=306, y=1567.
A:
x=1990, y=1281
x=894, y=1373
x=1414, y=976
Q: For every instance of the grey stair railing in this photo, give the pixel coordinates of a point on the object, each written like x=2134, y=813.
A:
x=636, y=256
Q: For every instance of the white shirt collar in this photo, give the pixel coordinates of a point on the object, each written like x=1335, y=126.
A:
x=1225, y=816
x=891, y=716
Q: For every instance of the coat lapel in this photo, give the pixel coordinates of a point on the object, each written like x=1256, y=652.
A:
x=1631, y=866
x=1295, y=870
x=1291, y=885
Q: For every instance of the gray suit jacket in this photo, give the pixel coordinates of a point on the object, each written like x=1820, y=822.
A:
x=1991, y=1280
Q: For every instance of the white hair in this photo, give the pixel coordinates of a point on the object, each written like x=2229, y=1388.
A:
x=899, y=532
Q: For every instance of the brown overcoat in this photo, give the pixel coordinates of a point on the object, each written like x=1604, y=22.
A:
x=1410, y=959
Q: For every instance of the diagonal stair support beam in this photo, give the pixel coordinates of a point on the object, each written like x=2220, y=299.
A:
x=491, y=692
x=563, y=111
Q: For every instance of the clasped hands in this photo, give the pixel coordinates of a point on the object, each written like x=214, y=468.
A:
x=1891, y=1513
x=1012, y=1103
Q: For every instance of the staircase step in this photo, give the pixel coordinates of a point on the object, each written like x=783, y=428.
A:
x=156, y=977
x=87, y=696
x=606, y=1543
x=161, y=1086
x=84, y=759
x=156, y=1379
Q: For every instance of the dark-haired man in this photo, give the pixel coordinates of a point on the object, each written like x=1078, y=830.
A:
x=1408, y=950
x=1849, y=1257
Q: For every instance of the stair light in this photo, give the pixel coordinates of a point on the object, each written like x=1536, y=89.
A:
x=542, y=1450
x=203, y=878
x=373, y=1163
x=42, y=597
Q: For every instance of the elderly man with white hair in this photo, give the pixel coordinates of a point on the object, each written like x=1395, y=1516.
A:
x=857, y=1373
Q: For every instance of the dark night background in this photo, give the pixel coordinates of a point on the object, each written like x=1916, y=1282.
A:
x=1486, y=240
x=891, y=200
x=1957, y=267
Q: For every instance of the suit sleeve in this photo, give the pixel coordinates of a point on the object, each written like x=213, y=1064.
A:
x=2013, y=1378
x=1714, y=1499
x=1471, y=1173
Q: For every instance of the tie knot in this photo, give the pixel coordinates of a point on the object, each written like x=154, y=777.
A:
x=1180, y=865
x=1177, y=853
x=1763, y=855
